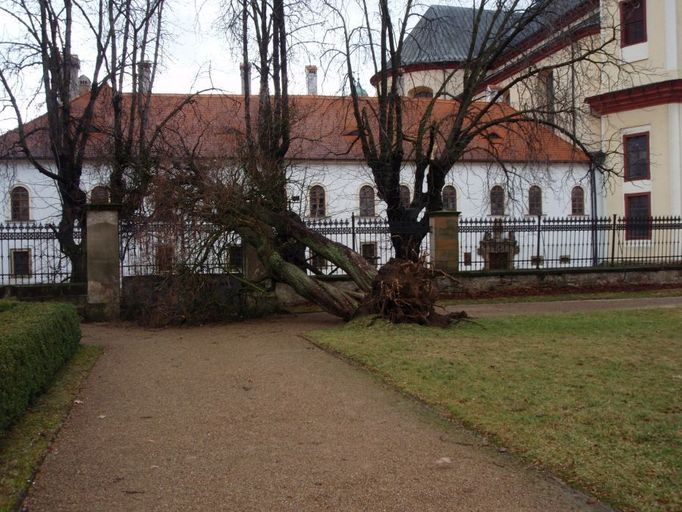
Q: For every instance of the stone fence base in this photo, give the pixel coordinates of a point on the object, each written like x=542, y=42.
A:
x=518, y=283
x=473, y=285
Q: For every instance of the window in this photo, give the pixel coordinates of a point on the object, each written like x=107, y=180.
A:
x=535, y=200
x=367, y=201
x=165, y=257
x=99, y=195
x=636, y=156
x=497, y=200
x=317, y=201
x=546, y=92
x=21, y=262
x=632, y=22
x=577, y=201
x=637, y=216
x=404, y=196
x=369, y=252
x=449, y=196
x=421, y=92
x=235, y=258
x=19, y=204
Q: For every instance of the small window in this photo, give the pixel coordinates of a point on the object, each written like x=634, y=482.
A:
x=20, y=204
x=367, y=201
x=99, y=195
x=632, y=22
x=369, y=252
x=21, y=262
x=577, y=201
x=638, y=216
x=547, y=94
x=535, y=200
x=235, y=258
x=449, y=196
x=404, y=196
x=636, y=156
x=317, y=201
x=497, y=200
x=165, y=258
x=421, y=92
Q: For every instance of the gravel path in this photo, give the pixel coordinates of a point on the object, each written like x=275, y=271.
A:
x=250, y=417
x=566, y=306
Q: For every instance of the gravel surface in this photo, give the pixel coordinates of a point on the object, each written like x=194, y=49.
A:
x=566, y=306
x=251, y=417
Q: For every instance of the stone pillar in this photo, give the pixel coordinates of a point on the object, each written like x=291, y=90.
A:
x=104, y=274
x=444, y=239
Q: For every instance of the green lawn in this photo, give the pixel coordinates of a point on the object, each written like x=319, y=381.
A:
x=596, y=398
x=23, y=445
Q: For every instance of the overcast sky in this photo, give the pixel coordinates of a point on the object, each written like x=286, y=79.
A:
x=197, y=56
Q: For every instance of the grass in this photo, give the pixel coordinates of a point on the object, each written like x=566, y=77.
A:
x=596, y=397
x=24, y=445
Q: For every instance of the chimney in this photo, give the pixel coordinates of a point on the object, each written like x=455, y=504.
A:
x=74, y=68
x=144, y=77
x=245, y=74
x=84, y=84
x=311, y=79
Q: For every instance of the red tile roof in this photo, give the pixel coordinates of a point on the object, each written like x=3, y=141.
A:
x=211, y=126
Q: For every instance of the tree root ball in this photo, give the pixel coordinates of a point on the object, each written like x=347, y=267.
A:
x=405, y=292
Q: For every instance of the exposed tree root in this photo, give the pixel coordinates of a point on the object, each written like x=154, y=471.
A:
x=405, y=292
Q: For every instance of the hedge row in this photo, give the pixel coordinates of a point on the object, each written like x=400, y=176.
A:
x=36, y=339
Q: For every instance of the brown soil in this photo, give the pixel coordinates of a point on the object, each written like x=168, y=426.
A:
x=250, y=417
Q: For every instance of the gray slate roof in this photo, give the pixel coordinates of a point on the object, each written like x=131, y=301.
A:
x=444, y=32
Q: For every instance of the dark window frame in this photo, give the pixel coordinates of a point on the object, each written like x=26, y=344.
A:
x=20, y=212
x=14, y=273
x=497, y=206
x=624, y=41
x=317, y=208
x=405, y=197
x=632, y=230
x=454, y=195
x=626, y=156
x=534, y=203
x=574, y=200
x=367, y=201
x=372, y=259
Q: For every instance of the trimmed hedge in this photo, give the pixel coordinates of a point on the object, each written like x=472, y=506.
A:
x=36, y=339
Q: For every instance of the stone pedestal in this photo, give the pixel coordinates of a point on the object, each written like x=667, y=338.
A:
x=444, y=239
x=104, y=274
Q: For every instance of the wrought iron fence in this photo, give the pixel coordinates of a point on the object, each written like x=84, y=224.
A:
x=157, y=248
x=543, y=243
x=369, y=236
x=30, y=254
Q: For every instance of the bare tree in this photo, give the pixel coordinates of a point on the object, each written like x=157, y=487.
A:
x=506, y=46
x=117, y=35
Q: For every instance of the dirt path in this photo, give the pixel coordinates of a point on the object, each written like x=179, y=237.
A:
x=566, y=306
x=250, y=417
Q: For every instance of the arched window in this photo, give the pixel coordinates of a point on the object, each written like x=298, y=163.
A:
x=497, y=200
x=577, y=201
x=317, y=201
x=20, y=204
x=404, y=196
x=367, y=201
x=535, y=200
x=421, y=92
x=99, y=195
x=449, y=195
